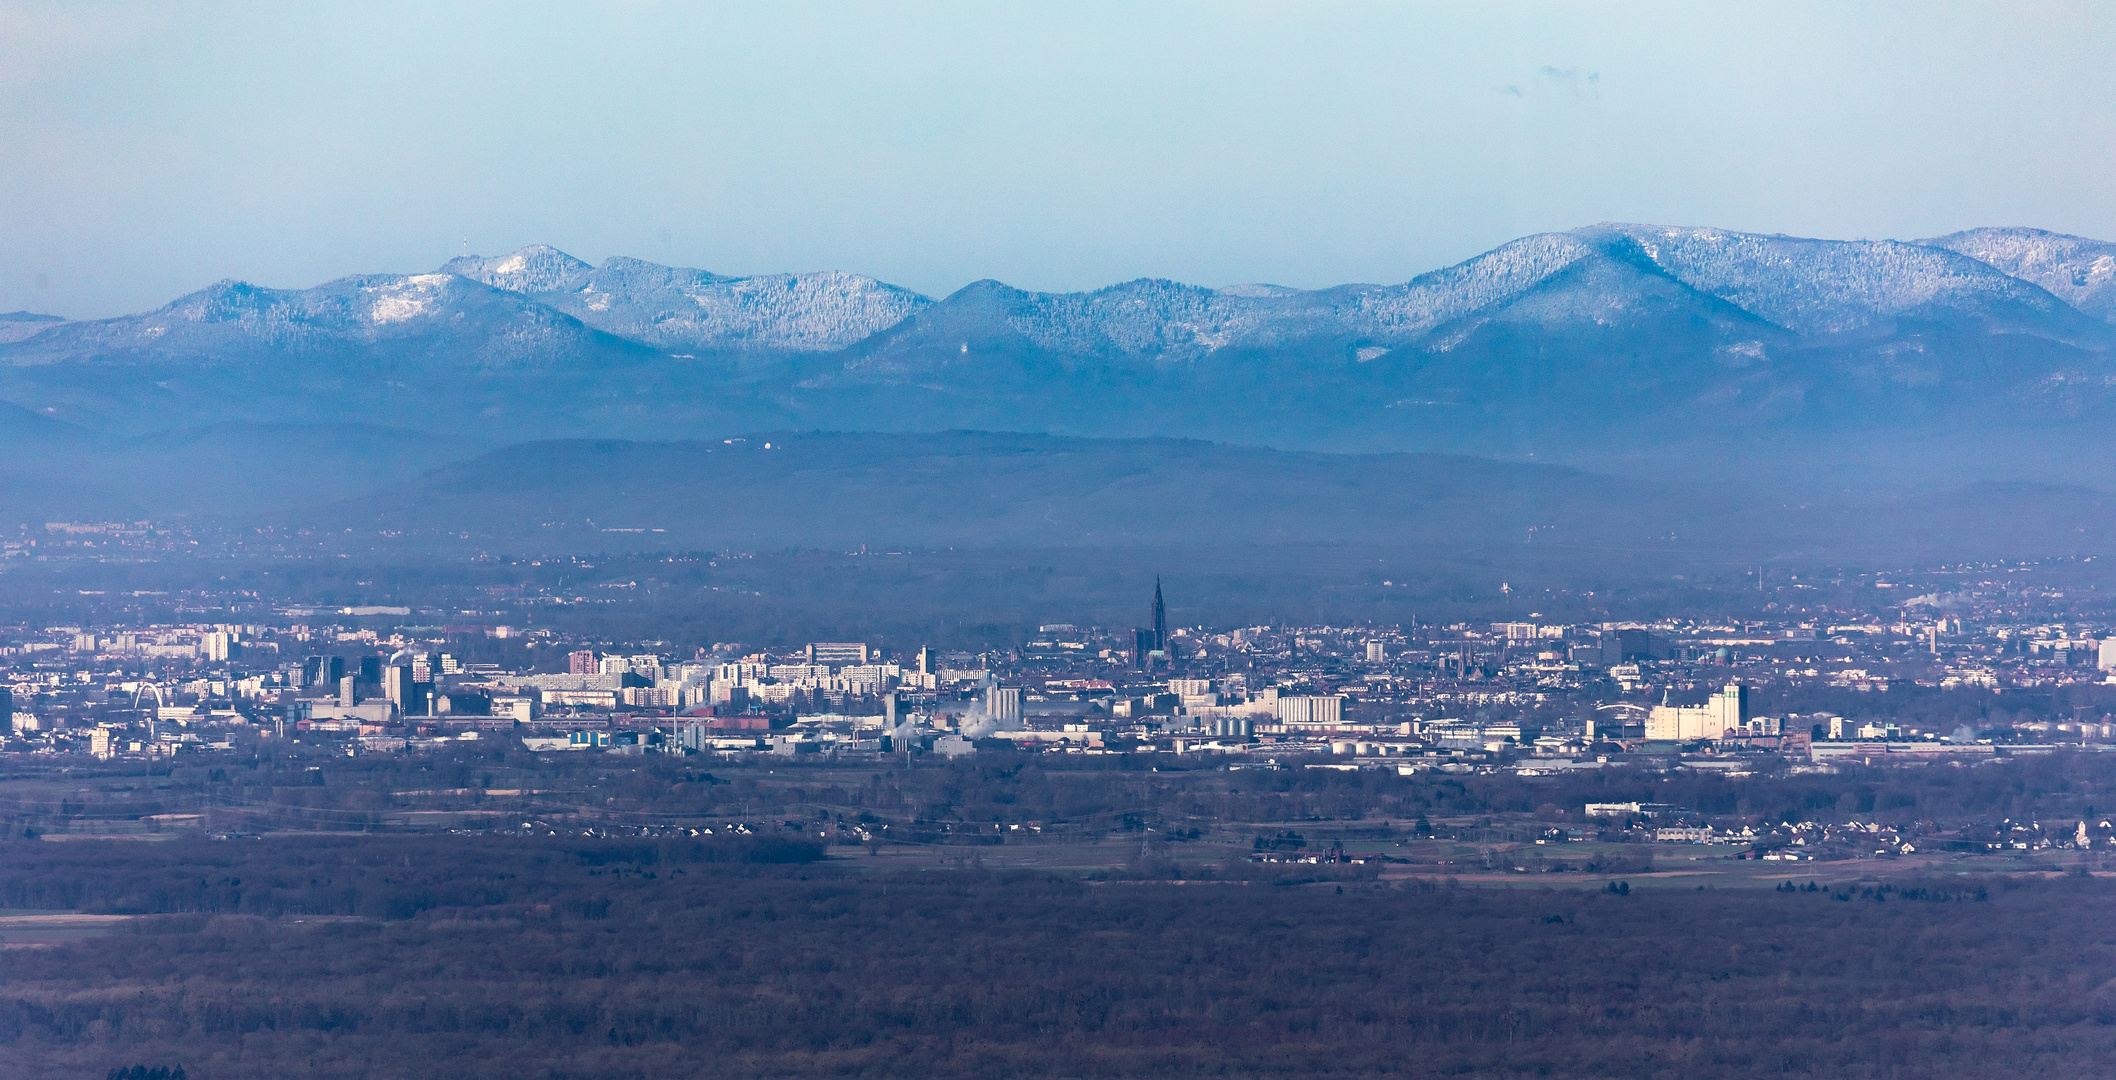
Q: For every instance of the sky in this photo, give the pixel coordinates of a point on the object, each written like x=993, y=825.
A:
x=147, y=150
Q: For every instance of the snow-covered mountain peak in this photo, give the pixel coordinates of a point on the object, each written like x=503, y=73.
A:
x=536, y=268
x=621, y=271
x=2078, y=269
x=1498, y=275
x=679, y=308
x=1832, y=286
x=226, y=300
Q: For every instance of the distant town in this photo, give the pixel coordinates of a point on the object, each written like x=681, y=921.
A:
x=1522, y=696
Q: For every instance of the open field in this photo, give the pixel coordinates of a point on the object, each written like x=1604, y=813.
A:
x=57, y=928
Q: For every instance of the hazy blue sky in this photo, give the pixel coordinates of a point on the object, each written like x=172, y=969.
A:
x=147, y=150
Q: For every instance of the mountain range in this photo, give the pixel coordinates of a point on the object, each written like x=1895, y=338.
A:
x=1986, y=354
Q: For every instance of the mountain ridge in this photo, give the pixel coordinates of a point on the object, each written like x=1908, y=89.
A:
x=2077, y=269
x=679, y=308
x=1611, y=336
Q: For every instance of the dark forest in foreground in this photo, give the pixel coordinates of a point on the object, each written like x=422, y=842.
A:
x=486, y=957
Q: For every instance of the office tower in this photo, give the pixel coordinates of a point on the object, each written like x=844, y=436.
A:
x=348, y=694
x=331, y=670
x=7, y=710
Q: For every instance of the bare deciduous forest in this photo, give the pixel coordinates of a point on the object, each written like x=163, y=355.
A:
x=483, y=957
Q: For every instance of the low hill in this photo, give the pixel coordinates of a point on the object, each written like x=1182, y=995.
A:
x=990, y=489
x=993, y=490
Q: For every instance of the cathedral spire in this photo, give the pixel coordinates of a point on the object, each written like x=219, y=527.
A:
x=1160, y=618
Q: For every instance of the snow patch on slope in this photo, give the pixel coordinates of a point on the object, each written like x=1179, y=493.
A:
x=404, y=299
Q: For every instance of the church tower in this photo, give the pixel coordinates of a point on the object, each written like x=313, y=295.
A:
x=1160, y=619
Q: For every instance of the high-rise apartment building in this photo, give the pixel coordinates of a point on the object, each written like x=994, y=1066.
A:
x=837, y=652
x=583, y=662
